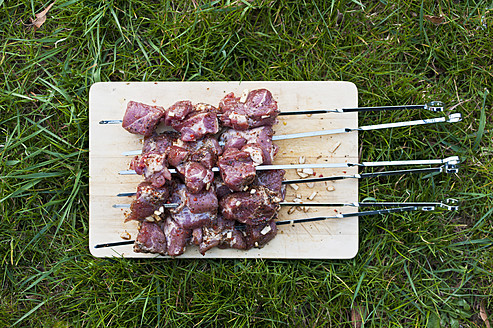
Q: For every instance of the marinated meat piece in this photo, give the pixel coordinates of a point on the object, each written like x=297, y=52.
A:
x=204, y=205
x=196, y=236
x=198, y=203
x=193, y=122
x=205, y=201
x=150, y=239
x=221, y=189
x=147, y=201
x=177, y=112
x=153, y=167
x=197, y=177
x=204, y=151
x=196, y=126
x=237, y=169
x=140, y=209
x=177, y=155
x=256, y=154
x=258, y=236
x=233, y=238
x=257, y=142
x=194, y=161
x=142, y=119
x=210, y=238
x=176, y=237
x=222, y=233
x=272, y=179
x=159, y=143
x=253, y=207
x=188, y=220
x=259, y=109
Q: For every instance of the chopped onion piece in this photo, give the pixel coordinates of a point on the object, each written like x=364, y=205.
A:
x=313, y=195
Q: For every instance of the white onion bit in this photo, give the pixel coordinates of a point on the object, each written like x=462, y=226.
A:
x=125, y=235
x=294, y=186
x=312, y=196
x=334, y=147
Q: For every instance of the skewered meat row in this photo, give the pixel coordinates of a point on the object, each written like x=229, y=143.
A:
x=241, y=214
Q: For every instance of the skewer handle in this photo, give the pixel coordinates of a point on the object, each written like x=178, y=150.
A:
x=118, y=243
x=347, y=215
x=434, y=106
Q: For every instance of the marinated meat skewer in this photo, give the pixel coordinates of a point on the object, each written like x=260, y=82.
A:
x=452, y=118
x=444, y=168
x=434, y=106
x=453, y=160
x=449, y=204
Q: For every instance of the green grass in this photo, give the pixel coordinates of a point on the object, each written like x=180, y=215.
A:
x=425, y=269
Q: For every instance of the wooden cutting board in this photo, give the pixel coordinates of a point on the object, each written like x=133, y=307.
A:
x=329, y=239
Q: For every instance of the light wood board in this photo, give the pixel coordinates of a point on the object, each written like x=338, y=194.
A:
x=329, y=239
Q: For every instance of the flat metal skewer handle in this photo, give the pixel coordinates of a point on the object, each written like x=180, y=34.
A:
x=452, y=118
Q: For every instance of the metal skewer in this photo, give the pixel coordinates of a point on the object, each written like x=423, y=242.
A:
x=444, y=168
x=449, y=204
x=434, y=106
x=453, y=160
x=452, y=118
x=429, y=205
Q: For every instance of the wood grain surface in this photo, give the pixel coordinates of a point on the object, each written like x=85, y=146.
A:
x=329, y=239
